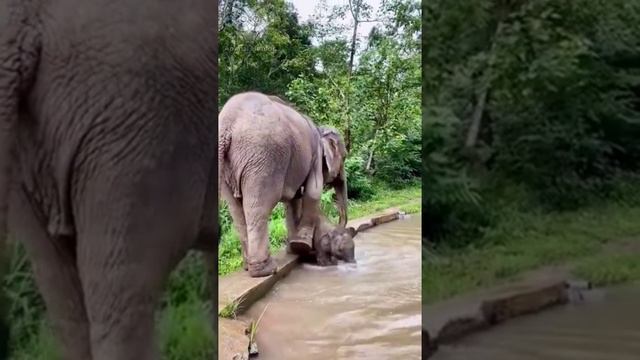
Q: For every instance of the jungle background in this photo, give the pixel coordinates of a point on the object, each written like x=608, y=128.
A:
x=530, y=135
x=368, y=87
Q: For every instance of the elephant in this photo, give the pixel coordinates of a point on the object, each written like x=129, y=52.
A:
x=332, y=243
x=107, y=169
x=268, y=152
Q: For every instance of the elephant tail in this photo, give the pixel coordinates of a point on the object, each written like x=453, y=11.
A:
x=224, y=141
x=224, y=175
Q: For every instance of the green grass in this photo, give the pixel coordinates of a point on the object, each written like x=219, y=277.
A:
x=524, y=241
x=186, y=333
x=229, y=311
x=408, y=199
x=609, y=269
x=42, y=346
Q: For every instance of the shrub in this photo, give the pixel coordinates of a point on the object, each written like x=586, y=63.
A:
x=359, y=184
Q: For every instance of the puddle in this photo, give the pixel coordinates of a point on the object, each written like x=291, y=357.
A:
x=370, y=310
x=603, y=326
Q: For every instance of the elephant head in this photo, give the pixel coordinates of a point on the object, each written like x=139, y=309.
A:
x=337, y=244
x=343, y=246
x=334, y=153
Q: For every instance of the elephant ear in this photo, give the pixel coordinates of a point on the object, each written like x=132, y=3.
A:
x=333, y=151
x=352, y=232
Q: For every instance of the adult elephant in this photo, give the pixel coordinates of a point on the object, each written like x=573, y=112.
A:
x=268, y=153
x=107, y=110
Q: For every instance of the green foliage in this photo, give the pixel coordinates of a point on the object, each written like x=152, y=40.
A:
x=187, y=282
x=40, y=346
x=186, y=333
x=359, y=183
x=609, y=269
x=264, y=50
x=453, y=206
x=27, y=307
x=562, y=105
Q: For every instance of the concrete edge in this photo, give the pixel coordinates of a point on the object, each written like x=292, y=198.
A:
x=255, y=293
x=495, y=311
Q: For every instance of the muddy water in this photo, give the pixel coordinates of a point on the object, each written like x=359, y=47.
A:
x=605, y=326
x=368, y=311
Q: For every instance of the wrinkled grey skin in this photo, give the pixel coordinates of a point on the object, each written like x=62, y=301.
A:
x=269, y=153
x=332, y=243
x=108, y=109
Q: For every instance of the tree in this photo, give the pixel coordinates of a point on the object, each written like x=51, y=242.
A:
x=539, y=92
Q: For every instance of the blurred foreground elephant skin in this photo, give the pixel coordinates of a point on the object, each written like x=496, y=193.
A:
x=107, y=169
x=268, y=153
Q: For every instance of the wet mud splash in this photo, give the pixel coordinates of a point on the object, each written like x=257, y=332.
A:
x=371, y=310
x=603, y=325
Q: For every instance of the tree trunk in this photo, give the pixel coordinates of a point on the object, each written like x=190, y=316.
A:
x=369, y=161
x=355, y=9
x=476, y=120
x=354, y=38
x=485, y=83
x=369, y=165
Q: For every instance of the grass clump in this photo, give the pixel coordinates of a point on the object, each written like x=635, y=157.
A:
x=609, y=269
x=230, y=311
x=186, y=332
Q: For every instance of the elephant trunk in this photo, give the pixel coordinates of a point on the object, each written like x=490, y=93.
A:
x=340, y=186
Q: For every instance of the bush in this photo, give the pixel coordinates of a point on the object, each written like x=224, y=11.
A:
x=27, y=306
x=400, y=162
x=359, y=184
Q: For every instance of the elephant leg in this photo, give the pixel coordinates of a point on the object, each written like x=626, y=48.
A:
x=56, y=274
x=120, y=306
x=303, y=241
x=131, y=234
x=239, y=222
x=123, y=279
x=293, y=209
x=257, y=212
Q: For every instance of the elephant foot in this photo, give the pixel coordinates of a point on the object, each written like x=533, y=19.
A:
x=288, y=248
x=302, y=244
x=300, y=247
x=263, y=268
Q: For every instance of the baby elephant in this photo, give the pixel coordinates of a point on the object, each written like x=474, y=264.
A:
x=332, y=243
